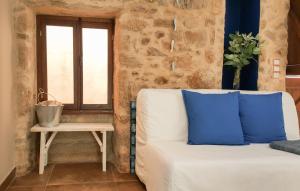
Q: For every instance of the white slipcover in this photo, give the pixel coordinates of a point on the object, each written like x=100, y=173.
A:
x=161, y=120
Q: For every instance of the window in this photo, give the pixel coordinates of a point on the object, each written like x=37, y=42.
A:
x=75, y=62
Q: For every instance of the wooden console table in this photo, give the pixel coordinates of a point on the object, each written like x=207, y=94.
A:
x=71, y=127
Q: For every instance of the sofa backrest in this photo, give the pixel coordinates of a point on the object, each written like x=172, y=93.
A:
x=161, y=114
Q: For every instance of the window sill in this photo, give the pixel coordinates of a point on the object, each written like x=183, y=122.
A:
x=82, y=112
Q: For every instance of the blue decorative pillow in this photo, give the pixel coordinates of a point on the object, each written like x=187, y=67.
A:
x=262, y=118
x=213, y=118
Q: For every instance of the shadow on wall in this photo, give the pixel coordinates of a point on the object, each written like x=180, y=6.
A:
x=7, y=102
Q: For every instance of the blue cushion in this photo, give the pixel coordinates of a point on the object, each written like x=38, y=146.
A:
x=213, y=118
x=262, y=118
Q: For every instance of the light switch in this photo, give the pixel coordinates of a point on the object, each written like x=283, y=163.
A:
x=276, y=62
x=276, y=75
x=276, y=68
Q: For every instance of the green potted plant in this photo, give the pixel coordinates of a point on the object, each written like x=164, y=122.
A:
x=242, y=49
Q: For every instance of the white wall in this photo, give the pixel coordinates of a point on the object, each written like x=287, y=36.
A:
x=7, y=138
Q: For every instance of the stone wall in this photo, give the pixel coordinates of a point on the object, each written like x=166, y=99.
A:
x=274, y=36
x=143, y=59
x=79, y=146
x=25, y=83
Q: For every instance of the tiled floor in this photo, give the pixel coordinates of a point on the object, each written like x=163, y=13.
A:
x=77, y=177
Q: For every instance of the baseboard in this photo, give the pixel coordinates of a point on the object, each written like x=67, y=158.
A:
x=8, y=180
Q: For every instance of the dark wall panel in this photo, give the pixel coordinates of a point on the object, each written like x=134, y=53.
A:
x=293, y=67
x=232, y=24
x=250, y=15
x=243, y=16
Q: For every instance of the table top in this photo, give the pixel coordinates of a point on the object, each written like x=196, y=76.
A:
x=65, y=127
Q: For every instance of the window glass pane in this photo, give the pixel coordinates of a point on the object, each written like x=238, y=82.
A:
x=60, y=63
x=95, y=65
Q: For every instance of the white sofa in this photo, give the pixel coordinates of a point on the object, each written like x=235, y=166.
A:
x=164, y=161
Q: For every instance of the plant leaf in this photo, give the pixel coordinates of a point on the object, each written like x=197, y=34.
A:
x=243, y=47
x=230, y=63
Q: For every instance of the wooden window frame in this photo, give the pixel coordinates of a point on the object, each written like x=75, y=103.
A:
x=77, y=23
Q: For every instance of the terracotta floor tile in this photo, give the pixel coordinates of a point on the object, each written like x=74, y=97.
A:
x=131, y=186
x=26, y=189
x=33, y=179
x=77, y=177
x=105, y=186
x=80, y=173
x=119, y=177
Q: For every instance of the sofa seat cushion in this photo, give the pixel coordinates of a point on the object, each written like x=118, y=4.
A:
x=176, y=166
x=213, y=118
